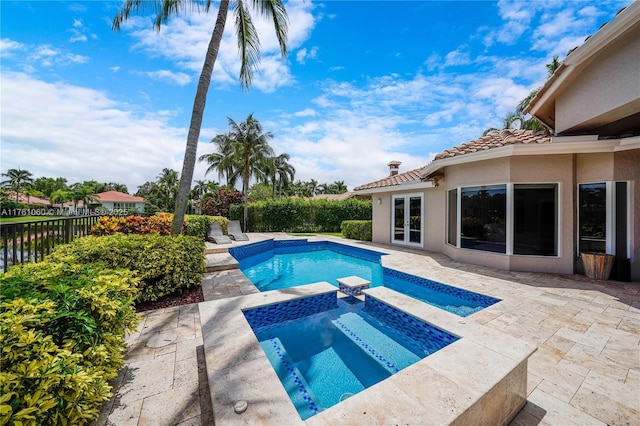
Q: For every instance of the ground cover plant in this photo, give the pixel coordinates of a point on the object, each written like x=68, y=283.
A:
x=62, y=328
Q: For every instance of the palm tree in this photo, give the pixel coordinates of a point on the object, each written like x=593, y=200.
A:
x=82, y=193
x=249, y=47
x=60, y=196
x=17, y=177
x=249, y=147
x=280, y=172
x=200, y=188
x=222, y=161
x=338, y=187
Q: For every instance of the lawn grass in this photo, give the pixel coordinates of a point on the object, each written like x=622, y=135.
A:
x=26, y=218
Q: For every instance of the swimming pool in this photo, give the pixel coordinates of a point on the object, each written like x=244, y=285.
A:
x=275, y=264
x=325, y=350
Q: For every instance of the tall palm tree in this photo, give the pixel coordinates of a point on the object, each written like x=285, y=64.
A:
x=338, y=187
x=17, y=178
x=250, y=147
x=248, y=45
x=60, y=196
x=82, y=193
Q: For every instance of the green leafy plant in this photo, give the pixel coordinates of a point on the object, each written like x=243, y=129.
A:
x=62, y=328
x=357, y=229
x=198, y=225
x=164, y=264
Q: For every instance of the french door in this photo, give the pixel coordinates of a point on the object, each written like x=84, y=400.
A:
x=406, y=220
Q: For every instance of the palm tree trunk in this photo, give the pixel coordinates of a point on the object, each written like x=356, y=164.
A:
x=199, y=102
x=245, y=192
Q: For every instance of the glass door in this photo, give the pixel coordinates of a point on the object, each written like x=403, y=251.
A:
x=407, y=219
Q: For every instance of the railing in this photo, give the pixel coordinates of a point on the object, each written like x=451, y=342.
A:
x=24, y=242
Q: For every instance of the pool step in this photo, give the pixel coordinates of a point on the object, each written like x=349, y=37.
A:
x=292, y=379
x=220, y=262
x=386, y=351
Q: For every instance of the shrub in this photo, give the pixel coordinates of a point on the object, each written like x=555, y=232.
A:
x=62, y=332
x=198, y=225
x=220, y=202
x=163, y=263
x=108, y=225
x=295, y=215
x=357, y=229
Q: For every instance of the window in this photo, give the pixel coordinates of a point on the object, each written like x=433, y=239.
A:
x=452, y=218
x=483, y=218
x=592, y=213
x=535, y=219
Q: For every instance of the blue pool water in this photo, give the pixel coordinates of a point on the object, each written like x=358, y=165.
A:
x=272, y=265
x=325, y=350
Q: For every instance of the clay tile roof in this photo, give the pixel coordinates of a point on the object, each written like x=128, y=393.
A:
x=118, y=197
x=496, y=140
x=411, y=175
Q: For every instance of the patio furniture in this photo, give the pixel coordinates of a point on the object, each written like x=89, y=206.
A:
x=234, y=231
x=215, y=234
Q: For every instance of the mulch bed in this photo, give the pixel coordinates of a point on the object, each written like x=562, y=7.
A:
x=181, y=297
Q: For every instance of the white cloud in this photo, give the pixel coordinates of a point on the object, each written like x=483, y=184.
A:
x=86, y=136
x=184, y=41
x=460, y=56
x=304, y=54
x=8, y=47
x=115, y=68
x=179, y=78
x=307, y=112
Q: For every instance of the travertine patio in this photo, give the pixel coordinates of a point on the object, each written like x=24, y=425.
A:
x=586, y=369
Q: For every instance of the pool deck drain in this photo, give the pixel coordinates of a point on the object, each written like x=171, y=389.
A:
x=586, y=369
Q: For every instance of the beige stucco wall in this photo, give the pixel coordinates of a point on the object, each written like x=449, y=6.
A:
x=621, y=166
x=627, y=168
x=592, y=95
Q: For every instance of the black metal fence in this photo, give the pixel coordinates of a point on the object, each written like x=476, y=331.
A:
x=31, y=241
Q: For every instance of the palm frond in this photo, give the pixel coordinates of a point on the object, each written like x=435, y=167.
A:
x=275, y=10
x=248, y=44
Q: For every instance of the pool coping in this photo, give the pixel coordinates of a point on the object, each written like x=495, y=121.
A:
x=452, y=385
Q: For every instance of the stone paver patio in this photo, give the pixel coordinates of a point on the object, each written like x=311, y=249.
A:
x=586, y=370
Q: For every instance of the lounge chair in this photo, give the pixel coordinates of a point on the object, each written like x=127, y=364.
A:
x=215, y=234
x=234, y=231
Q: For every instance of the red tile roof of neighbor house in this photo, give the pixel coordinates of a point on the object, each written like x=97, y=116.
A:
x=494, y=140
x=117, y=197
x=24, y=199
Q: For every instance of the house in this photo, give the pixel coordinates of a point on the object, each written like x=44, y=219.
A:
x=111, y=201
x=338, y=197
x=28, y=199
x=533, y=201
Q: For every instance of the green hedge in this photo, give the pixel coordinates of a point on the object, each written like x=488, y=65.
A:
x=163, y=263
x=198, y=225
x=62, y=330
x=357, y=229
x=295, y=215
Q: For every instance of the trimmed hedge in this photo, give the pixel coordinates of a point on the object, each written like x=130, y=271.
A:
x=295, y=215
x=194, y=225
x=357, y=229
x=163, y=263
x=198, y=225
x=62, y=330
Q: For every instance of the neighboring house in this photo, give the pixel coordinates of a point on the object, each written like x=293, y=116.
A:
x=532, y=201
x=111, y=201
x=23, y=198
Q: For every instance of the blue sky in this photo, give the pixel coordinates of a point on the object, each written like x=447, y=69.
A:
x=365, y=82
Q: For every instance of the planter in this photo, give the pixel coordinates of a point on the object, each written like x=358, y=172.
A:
x=597, y=265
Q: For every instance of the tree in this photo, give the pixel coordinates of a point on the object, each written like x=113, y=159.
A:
x=249, y=47
x=279, y=172
x=249, y=148
x=17, y=178
x=48, y=185
x=338, y=187
x=60, y=196
x=222, y=161
x=84, y=193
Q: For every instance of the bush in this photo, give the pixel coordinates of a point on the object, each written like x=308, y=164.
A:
x=62, y=330
x=163, y=263
x=295, y=215
x=219, y=203
x=357, y=229
x=198, y=225
x=109, y=225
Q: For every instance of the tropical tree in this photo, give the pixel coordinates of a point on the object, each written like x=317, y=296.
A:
x=222, y=161
x=516, y=120
x=16, y=179
x=48, y=185
x=60, y=196
x=84, y=193
x=249, y=49
x=338, y=187
x=279, y=172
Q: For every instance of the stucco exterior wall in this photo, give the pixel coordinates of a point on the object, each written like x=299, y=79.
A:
x=381, y=214
x=592, y=96
x=627, y=168
x=594, y=167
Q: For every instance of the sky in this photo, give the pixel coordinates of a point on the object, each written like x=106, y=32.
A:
x=364, y=83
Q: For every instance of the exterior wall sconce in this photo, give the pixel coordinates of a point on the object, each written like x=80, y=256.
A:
x=379, y=200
